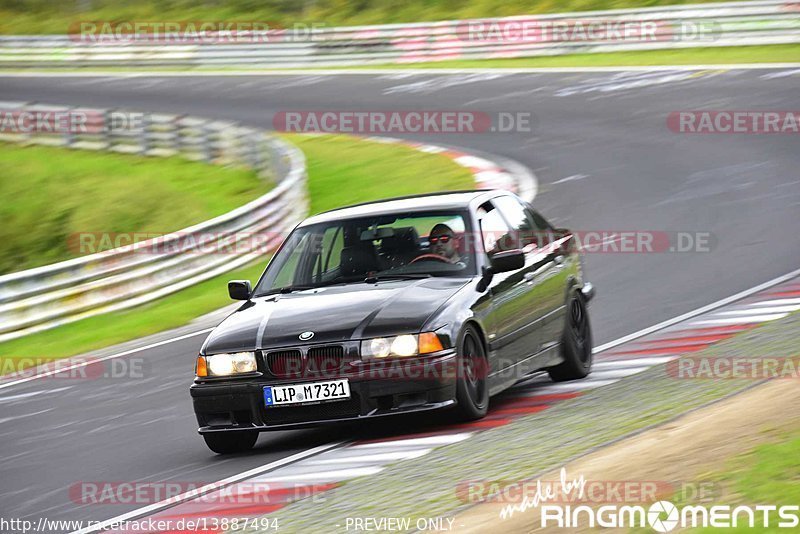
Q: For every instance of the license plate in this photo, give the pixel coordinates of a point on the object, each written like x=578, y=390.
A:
x=304, y=393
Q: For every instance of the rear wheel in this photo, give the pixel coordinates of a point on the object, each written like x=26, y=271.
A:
x=472, y=393
x=576, y=343
x=230, y=442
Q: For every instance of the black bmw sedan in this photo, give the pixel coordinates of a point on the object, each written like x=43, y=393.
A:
x=403, y=305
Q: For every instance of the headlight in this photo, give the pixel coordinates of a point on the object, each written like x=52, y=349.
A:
x=226, y=364
x=401, y=346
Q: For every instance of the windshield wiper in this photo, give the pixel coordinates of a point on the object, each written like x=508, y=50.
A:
x=410, y=276
x=291, y=289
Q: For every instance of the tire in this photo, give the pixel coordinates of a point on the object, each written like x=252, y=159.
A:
x=576, y=343
x=472, y=393
x=230, y=442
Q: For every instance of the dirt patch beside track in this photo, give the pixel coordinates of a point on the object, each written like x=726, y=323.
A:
x=684, y=449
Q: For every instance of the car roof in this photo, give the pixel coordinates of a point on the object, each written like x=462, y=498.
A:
x=397, y=205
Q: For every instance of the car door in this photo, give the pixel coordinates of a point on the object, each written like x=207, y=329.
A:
x=511, y=337
x=540, y=287
x=552, y=277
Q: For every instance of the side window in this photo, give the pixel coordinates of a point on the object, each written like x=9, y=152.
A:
x=288, y=271
x=542, y=228
x=524, y=235
x=493, y=228
x=330, y=253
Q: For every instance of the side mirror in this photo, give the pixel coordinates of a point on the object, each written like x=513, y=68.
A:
x=508, y=260
x=239, y=289
x=588, y=291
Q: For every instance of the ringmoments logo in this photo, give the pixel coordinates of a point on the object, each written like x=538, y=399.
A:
x=661, y=516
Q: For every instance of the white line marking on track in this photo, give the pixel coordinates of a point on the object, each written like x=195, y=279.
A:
x=430, y=440
x=617, y=373
x=761, y=310
x=334, y=475
x=776, y=302
x=586, y=383
x=638, y=362
x=155, y=507
x=30, y=394
x=742, y=320
x=406, y=72
x=698, y=311
x=95, y=360
x=371, y=458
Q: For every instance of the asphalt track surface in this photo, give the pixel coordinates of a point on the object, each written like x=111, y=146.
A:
x=604, y=158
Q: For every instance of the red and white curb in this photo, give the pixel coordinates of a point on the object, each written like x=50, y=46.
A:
x=488, y=173
x=324, y=471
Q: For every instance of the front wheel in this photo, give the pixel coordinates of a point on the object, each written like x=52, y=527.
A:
x=576, y=343
x=230, y=442
x=472, y=392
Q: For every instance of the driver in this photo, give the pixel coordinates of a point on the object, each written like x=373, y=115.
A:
x=443, y=243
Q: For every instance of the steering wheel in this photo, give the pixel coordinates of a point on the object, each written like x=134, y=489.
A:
x=435, y=257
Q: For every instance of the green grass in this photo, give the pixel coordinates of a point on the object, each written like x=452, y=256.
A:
x=789, y=53
x=55, y=194
x=767, y=474
x=345, y=171
x=342, y=170
x=786, y=53
x=46, y=16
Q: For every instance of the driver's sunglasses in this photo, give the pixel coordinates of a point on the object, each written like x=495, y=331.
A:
x=441, y=238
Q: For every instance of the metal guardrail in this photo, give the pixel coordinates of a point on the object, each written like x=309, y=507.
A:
x=44, y=297
x=682, y=26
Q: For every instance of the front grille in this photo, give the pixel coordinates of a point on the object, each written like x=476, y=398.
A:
x=325, y=361
x=314, y=412
x=285, y=363
x=319, y=362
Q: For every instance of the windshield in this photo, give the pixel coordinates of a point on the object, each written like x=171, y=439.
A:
x=408, y=245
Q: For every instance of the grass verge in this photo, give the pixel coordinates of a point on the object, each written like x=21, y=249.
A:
x=342, y=170
x=37, y=16
x=56, y=195
x=687, y=56
x=784, y=53
x=767, y=474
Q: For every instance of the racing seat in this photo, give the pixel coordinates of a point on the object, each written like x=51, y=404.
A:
x=401, y=248
x=358, y=260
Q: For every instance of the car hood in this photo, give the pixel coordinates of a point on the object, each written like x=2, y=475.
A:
x=334, y=314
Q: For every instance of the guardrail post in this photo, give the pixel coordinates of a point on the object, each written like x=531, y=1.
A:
x=255, y=152
x=143, y=139
x=208, y=149
x=69, y=135
x=107, y=132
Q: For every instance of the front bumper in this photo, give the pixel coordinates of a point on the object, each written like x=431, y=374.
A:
x=238, y=405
